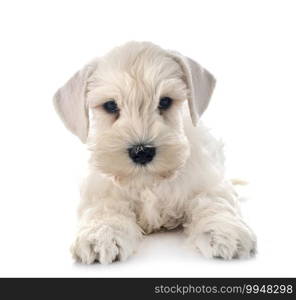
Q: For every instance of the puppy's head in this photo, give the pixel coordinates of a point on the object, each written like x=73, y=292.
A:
x=129, y=107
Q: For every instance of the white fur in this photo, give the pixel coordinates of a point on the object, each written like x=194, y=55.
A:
x=183, y=185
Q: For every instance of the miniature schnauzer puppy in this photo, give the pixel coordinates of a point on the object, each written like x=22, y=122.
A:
x=152, y=165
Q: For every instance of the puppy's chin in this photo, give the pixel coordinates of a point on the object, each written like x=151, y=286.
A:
x=143, y=178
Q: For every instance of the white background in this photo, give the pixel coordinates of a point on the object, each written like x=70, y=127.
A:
x=250, y=46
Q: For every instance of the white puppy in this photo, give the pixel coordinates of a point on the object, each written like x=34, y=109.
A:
x=153, y=165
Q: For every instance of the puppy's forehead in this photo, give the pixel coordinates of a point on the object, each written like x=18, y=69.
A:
x=137, y=65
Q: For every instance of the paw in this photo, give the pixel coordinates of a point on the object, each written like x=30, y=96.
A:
x=227, y=241
x=102, y=243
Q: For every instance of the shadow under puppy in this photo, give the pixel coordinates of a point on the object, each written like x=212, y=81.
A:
x=153, y=165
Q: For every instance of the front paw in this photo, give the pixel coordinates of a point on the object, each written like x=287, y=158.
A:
x=226, y=240
x=102, y=243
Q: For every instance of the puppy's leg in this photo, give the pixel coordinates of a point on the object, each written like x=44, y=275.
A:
x=107, y=232
x=216, y=228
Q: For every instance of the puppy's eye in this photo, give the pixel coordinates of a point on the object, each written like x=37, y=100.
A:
x=165, y=103
x=111, y=107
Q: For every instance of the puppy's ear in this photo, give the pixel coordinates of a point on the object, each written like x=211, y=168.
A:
x=200, y=83
x=70, y=102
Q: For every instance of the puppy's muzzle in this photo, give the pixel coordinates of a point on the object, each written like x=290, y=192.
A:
x=142, y=154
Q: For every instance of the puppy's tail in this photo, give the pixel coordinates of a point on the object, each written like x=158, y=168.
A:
x=238, y=181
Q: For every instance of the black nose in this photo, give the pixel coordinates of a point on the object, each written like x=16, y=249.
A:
x=141, y=154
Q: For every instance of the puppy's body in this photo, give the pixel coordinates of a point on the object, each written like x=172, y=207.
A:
x=183, y=184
